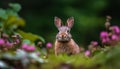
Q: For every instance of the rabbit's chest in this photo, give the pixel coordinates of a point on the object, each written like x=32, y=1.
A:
x=64, y=48
x=68, y=47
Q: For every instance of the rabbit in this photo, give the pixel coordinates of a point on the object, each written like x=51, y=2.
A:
x=64, y=44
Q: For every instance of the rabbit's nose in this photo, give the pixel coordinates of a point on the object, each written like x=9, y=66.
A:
x=64, y=36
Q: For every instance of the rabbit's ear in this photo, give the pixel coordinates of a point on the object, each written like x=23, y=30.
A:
x=70, y=22
x=57, y=22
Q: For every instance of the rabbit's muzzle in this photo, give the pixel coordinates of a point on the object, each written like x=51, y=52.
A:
x=63, y=37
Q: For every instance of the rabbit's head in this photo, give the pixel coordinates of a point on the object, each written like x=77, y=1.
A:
x=64, y=30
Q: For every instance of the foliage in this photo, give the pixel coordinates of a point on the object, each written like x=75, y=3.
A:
x=10, y=21
x=108, y=58
x=17, y=48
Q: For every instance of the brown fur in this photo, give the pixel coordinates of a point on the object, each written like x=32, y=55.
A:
x=69, y=47
x=64, y=42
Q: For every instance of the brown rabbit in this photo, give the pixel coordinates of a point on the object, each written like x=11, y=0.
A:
x=64, y=42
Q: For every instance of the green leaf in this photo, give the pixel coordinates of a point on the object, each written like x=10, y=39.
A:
x=11, y=12
x=13, y=22
x=1, y=24
x=15, y=6
x=30, y=36
x=26, y=41
x=3, y=14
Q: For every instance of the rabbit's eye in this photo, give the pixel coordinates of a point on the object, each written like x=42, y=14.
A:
x=68, y=31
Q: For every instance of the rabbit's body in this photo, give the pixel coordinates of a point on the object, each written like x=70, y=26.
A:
x=64, y=42
x=69, y=47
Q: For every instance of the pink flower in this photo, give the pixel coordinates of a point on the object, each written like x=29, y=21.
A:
x=104, y=34
x=105, y=40
x=49, y=45
x=24, y=46
x=2, y=42
x=87, y=53
x=31, y=48
x=17, y=41
x=94, y=43
x=116, y=29
x=114, y=37
x=104, y=37
x=8, y=44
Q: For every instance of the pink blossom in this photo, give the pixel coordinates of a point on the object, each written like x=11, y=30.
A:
x=104, y=34
x=8, y=44
x=94, y=43
x=87, y=53
x=105, y=40
x=31, y=48
x=24, y=46
x=18, y=41
x=114, y=37
x=2, y=42
x=116, y=29
x=49, y=45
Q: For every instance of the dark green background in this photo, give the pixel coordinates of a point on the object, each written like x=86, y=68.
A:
x=89, y=16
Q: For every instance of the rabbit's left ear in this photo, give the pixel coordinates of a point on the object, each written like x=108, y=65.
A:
x=70, y=22
x=57, y=22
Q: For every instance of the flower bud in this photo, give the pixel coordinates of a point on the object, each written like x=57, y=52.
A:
x=114, y=37
x=87, y=53
x=24, y=46
x=104, y=34
x=2, y=42
x=49, y=45
x=94, y=43
x=31, y=48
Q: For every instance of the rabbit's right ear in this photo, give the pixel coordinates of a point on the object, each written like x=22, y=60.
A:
x=57, y=22
x=70, y=22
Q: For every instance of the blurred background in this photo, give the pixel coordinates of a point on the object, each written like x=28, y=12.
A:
x=90, y=16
